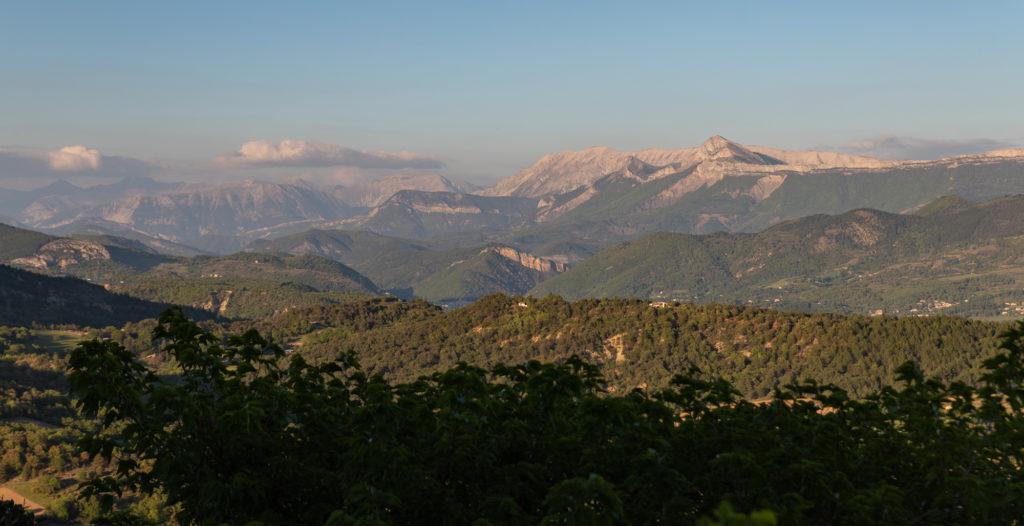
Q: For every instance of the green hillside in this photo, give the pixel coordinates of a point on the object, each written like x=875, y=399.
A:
x=27, y=298
x=545, y=433
x=484, y=273
x=349, y=247
x=242, y=285
x=953, y=257
x=641, y=345
x=392, y=263
x=246, y=285
x=249, y=433
x=18, y=242
x=407, y=268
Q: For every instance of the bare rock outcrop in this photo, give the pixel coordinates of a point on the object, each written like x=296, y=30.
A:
x=64, y=252
x=528, y=260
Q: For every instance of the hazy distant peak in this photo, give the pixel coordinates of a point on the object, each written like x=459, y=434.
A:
x=374, y=193
x=994, y=154
x=406, y=179
x=59, y=186
x=1012, y=152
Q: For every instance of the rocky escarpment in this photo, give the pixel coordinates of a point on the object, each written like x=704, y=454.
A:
x=529, y=261
x=64, y=252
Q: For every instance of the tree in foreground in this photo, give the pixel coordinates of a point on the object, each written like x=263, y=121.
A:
x=14, y=514
x=245, y=434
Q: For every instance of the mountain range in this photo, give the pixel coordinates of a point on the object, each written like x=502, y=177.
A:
x=717, y=222
x=720, y=186
x=609, y=195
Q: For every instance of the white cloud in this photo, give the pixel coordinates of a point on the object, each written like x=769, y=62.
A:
x=902, y=148
x=290, y=152
x=30, y=169
x=74, y=159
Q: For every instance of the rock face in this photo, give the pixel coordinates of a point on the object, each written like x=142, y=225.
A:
x=528, y=260
x=64, y=252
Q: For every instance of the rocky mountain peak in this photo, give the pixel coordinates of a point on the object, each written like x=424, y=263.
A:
x=714, y=145
x=636, y=166
x=719, y=148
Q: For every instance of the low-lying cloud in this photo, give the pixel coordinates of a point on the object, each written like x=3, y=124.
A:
x=70, y=161
x=75, y=159
x=905, y=148
x=290, y=152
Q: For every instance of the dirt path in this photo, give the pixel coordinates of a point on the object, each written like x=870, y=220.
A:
x=10, y=494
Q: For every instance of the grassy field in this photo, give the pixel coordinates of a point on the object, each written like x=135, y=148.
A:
x=39, y=501
x=26, y=488
x=57, y=342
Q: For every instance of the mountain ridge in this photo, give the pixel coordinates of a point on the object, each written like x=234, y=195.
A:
x=952, y=256
x=614, y=196
x=551, y=174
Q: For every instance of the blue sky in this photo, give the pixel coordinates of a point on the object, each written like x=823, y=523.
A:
x=486, y=88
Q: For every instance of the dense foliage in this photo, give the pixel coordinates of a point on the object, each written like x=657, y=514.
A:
x=39, y=428
x=236, y=298
x=633, y=343
x=247, y=433
x=32, y=298
x=14, y=514
x=639, y=345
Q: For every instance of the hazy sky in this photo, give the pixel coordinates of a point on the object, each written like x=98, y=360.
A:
x=479, y=90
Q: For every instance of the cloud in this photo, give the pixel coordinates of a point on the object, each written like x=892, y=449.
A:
x=290, y=152
x=74, y=159
x=70, y=161
x=903, y=148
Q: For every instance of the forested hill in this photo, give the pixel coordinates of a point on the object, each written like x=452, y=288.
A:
x=951, y=257
x=240, y=285
x=27, y=298
x=638, y=344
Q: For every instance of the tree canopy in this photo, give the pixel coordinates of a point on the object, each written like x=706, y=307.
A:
x=247, y=433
